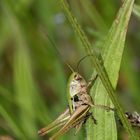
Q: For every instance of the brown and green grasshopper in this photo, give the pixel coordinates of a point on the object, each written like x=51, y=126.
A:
x=77, y=113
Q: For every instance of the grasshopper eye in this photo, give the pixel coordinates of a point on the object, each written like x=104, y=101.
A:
x=77, y=77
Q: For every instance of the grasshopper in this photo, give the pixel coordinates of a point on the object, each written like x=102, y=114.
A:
x=79, y=102
x=77, y=112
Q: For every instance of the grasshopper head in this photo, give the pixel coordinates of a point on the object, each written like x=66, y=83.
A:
x=76, y=84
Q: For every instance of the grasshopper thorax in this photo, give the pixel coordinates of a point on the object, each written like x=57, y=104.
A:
x=77, y=84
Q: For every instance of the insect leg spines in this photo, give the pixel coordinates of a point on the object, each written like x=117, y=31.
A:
x=92, y=117
x=91, y=83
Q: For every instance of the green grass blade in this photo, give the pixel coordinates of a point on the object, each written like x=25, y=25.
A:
x=118, y=31
x=11, y=123
x=108, y=10
x=24, y=91
x=132, y=80
x=136, y=10
x=29, y=102
x=5, y=93
x=94, y=15
x=112, y=56
x=23, y=80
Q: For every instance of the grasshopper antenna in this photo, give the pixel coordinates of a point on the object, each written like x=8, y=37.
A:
x=72, y=70
x=78, y=64
x=59, y=54
x=57, y=51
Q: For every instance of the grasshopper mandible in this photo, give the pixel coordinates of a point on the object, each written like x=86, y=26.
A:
x=77, y=113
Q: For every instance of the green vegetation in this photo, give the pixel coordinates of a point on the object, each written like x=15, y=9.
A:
x=36, y=40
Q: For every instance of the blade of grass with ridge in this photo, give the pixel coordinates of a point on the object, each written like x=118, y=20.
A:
x=15, y=129
x=26, y=94
x=112, y=56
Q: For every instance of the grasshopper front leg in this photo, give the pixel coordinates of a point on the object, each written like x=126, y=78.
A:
x=86, y=99
x=91, y=83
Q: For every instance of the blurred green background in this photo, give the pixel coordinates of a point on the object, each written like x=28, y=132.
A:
x=35, y=41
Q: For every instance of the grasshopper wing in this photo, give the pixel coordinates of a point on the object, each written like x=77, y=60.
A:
x=61, y=120
x=76, y=118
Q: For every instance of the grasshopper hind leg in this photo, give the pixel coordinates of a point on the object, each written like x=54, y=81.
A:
x=78, y=126
x=94, y=120
x=90, y=114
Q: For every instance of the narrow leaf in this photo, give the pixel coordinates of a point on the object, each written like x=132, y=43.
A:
x=112, y=56
x=136, y=10
x=11, y=123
